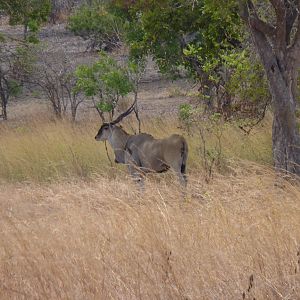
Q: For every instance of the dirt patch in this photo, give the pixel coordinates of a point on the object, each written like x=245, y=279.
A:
x=160, y=98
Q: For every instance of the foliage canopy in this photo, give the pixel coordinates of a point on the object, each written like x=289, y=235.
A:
x=95, y=23
x=205, y=38
x=106, y=80
x=30, y=13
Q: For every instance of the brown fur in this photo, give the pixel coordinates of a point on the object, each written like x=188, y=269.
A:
x=143, y=153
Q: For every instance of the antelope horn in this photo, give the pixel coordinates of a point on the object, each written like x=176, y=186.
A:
x=124, y=114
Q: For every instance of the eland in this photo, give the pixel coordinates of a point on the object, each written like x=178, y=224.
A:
x=142, y=153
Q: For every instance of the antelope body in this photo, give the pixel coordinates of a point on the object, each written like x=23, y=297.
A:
x=143, y=153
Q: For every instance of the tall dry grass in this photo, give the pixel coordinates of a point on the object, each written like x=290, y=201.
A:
x=72, y=227
x=43, y=150
x=236, y=238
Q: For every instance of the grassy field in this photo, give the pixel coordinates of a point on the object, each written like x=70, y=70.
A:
x=73, y=227
x=43, y=151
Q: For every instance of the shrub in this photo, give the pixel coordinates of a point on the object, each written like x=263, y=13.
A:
x=104, y=80
x=96, y=24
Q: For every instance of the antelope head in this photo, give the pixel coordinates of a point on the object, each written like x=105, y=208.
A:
x=106, y=130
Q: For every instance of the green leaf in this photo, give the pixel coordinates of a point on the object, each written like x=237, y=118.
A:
x=2, y=38
x=105, y=80
x=104, y=106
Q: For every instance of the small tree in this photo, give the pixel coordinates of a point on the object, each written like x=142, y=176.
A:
x=105, y=82
x=9, y=86
x=54, y=74
x=30, y=13
x=246, y=87
x=96, y=24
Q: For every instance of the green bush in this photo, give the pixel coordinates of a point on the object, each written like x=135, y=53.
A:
x=104, y=80
x=96, y=24
x=30, y=13
x=185, y=112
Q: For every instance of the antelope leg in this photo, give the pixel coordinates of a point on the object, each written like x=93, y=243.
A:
x=134, y=170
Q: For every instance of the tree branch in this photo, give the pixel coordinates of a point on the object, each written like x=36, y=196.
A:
x=278, y=6
x=244, y=12
x=262, y=26
x=292, y=13
x=294, y=49
x=281, y=24
x=249, y=15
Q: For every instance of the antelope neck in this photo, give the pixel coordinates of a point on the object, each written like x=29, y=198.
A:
x=118, y=138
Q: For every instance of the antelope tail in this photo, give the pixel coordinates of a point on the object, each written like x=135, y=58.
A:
x=184, y=154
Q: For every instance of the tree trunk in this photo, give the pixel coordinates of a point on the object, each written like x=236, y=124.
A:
x=279, y=51
x=73, y=111
x=285, y=138
x=57, y=108
x=285, y=135
x=280, y=71
x=4, y=110
x=4, y=100
x=136, y=109
x=25, y=31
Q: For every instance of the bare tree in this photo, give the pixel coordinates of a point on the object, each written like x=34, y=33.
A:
x=8, y=85
x=277, y=39
x=53, y=72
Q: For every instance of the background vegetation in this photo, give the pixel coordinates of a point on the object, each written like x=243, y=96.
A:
x=73, y=224
x=45, y=151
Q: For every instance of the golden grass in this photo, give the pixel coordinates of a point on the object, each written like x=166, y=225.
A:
x=103, y=240
x=45, y=150
x=99, y=238
x=48, y=151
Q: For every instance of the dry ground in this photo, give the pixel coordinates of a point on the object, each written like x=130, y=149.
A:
x=158, y=98
x=104, y=240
